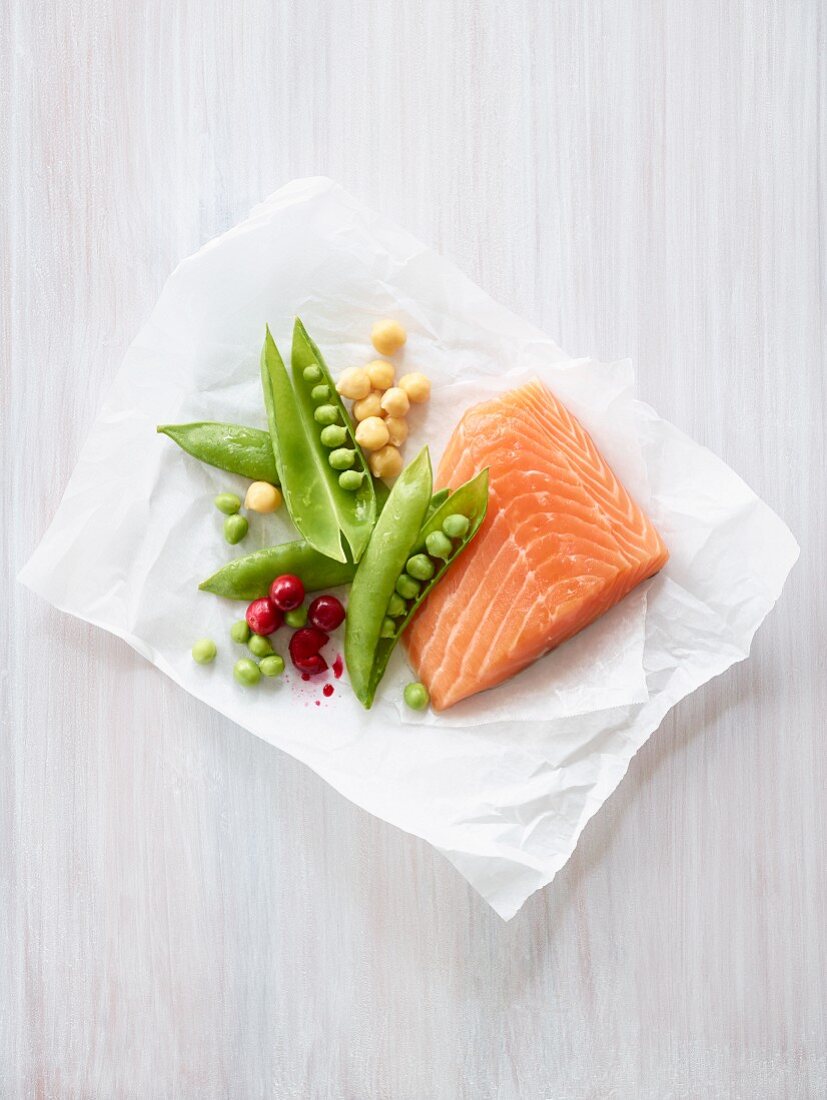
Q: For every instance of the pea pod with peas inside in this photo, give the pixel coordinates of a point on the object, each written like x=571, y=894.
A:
x=397, y=572
x=335, y=519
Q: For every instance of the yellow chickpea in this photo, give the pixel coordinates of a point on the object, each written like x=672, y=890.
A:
x=371, y=433
x=368, y=406
x=354, y=383
x=386, y=462
x=395, y=401
x=381, y=374
x=417, y=386
x=262, y=497
x=388, y=336
x=397, y=430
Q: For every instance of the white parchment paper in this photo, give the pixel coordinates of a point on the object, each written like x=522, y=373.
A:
x=502, y=784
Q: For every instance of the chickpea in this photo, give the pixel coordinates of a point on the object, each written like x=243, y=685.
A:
x=262, y=497
x=397, y=430
x=395, y=401
x=417, y=386
x=381, y=374
x=388, y=336
x=386, y=462
x=371, y=433
x=368, y=406
x=354, y=383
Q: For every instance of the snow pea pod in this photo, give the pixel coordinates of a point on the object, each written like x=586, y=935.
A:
x=469, y=500
x=231, y=447
x=334, y=520
x=250, y=577
x=396, y=532
x=356, y=509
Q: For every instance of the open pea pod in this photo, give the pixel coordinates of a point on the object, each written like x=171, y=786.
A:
x=383, y=611
x=356, y=508
x=395, y=534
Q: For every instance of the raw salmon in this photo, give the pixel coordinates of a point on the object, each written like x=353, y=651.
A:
x=562, y=542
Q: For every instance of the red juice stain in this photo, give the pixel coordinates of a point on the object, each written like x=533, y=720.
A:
x=305, y=676
x=338, y=669
x=318, y=703
x=327, y=690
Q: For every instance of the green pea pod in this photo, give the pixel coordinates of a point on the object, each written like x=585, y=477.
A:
x=250, y=577
x=471, y=500
x=356, y=511
x=304, y=484
x=231, y=447
x=396, y=532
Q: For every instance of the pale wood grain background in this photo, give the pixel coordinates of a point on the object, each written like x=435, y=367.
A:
x=185, y=911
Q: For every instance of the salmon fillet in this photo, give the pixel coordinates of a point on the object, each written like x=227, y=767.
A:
x=562, y=542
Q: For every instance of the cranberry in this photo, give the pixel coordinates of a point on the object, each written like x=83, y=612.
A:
x=263, y=617
x=326, y=612
x=287, y=592
x=304, y=649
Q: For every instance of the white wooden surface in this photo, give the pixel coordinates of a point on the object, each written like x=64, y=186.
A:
x=188, y=913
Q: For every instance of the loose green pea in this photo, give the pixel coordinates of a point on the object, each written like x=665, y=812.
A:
x=416, y=696
x=228, y=503
x=246, y=672
x=334, y=435
x=240, y=632
x=320, y=393
x=456, y=526
x=421, y=567
x=272, y=665
x=311, y=373
x=235, y=529
x=351, y=480
x=326, y=414
x=439, y=545
x=387, y=629
x=296, y=618
x=204, y=651
x=342, y=458
x=396, y=606
x=260, y=646
x=407, y=587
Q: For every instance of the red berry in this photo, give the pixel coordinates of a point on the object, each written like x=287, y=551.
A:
x=287, y=592
x=263, y=617
x=326, y=612
x=304, y=649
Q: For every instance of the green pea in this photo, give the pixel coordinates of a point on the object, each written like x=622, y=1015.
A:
x=228, y=503
x=456, y=526
x=296, y=618
x=260, y=646
x=387, y=629
x=342, y=458
x=416, y=696
x=272, y=665
x=351, y=480
x=204, y=651
x=240, y=632
x=421, y=567
x=407, y=587
x=246, y=672
x=334, y=435
x=320, y=393
x=235, y=529
x=311, y=373
x=439, y=545
x=396, y=606
x=326, y=414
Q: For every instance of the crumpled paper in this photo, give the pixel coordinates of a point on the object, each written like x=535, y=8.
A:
x=502, y=784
